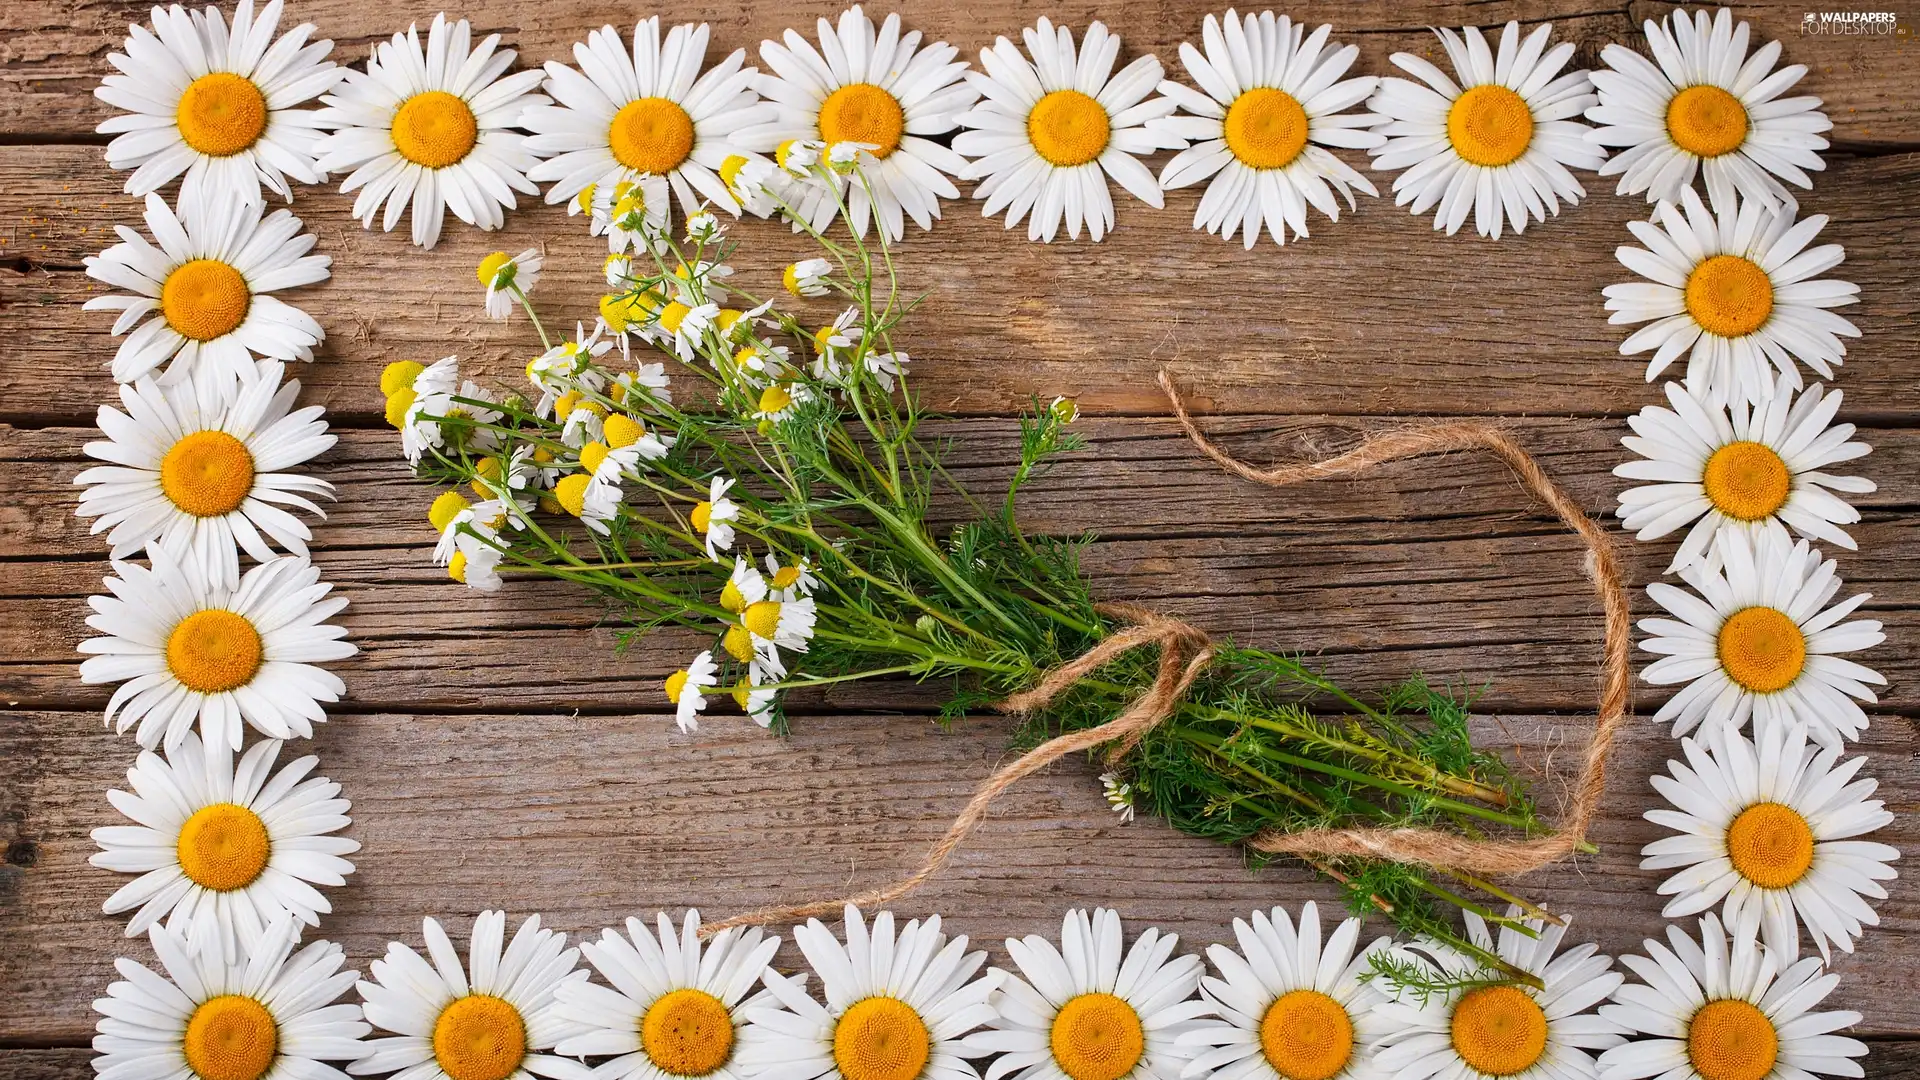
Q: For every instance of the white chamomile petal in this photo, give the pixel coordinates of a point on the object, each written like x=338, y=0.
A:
x=1498, y=140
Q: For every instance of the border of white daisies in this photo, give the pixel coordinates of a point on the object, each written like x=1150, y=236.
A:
x=239, y=998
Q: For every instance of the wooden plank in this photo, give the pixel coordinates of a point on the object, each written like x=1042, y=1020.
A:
x=53, y=52
x=589, y=819
x=1374, y=314
x=1441, y=567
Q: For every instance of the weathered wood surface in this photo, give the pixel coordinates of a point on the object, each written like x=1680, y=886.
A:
x=500, y=754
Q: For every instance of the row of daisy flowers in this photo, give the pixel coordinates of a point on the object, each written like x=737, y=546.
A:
x=445, y=124
x=909, y=1003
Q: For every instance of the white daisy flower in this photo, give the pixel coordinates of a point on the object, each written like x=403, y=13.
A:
x=508, y=279
x=490, y=1019
x=896, y=1009
x=205, y=479
x=675, y=1009
x=759, y=185
x=755, y=699
x=266, y=1013
x=1501, y=1030
x=648, y=111
x=776, y=625
x=623, y=432
x=1089, y=1009
x=713, y=517
x=1733, y=289
x=877, y=87
x=224, y=853
x=1119, y=795
x=1288, y=1007
x=792, y=581
x=745, y=586
x=703, y=227
x=1755, y=637
x=216, y=102
x=476, y=560
x=1046, y=129
x=1500, y=143
x=1726, y=1010
x=1271, y=101
x=778, y=399
x=432, y=128
x=885, y=367
x=449, y=420
x=807, y=278
x=1768, y=826
x=633, y=215
x=595, y=503
x=207, y=278
x=1740, y=467
x=683, y=328
x=687, y=689
x=1702, y=105
x=185, y=649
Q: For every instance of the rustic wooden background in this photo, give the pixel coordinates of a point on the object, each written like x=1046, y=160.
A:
x=499, y=753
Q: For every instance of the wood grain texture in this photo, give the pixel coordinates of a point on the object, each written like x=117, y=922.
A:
x=590, y=819
x=1374, y=314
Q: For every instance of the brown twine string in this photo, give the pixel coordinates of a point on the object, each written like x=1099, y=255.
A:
x=1185, y=651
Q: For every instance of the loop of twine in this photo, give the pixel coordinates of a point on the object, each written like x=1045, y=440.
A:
x=1185, y=651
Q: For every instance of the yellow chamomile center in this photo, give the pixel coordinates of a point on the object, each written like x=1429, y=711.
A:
x=593, y=455
x=479, y=1037
x=763, y=618
x=1306, y=1035
x=1707, y=121
x=213, y=651
x=571, y=492
x=223, y=846
x=1732, y=1040
x=702, y=515
x=207, y=473
x=730, y=167
x=622, y=430
x=1747, y=481
x=490, y=266
x=1729, y=296
x=221, y=113
x=446, y=506
x=1097, y=1037
x=1770, y=845
x=457, y=567
x=673, y=315
x=775, y=399
x=676, y=684
x=486, y=472
x=204, y=299
x=435, y=129
x=1068, y=128
x=399, y=376
x=738, y=643
x=399, y=403
x=1266, y=128
x=1499, y=1030
x=786, y=577
x=880, y=1038
x=732, y=599
x=1490, y=125
x=687, y=1032
x=863, y=113
x=651, y=135
x=1762, y=649
x=231, y=1037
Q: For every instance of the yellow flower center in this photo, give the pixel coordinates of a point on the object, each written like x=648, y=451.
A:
x=730, y=167
x=1707, y=121
x=457, y=567
x=214, y=651
x=1747, y=481
x=743, y=695
x=724, y=319
x=1306, y=1035
x=621, y=431
x=491, y=265
x=738, y=643
x=1499, y=1030
x=863, y=113
x=1762, y=649
x=1490, y=125
x=1729, y=296
x=231, y=1037
x=435, y=129
x=702, y=515
x=223, y=846
x=677, y=684
x=1097, y=1037
x=486, y=472
x=399, y=375
x=786, y=577
x=1266, y=128
x=399, y=403
x=880, y=1038
x=687, y=1032
x=732, y=599
x=479, y=1037
x=1770, y=845
x=445, y=508
x=672, y=316
x=205, y=299
x=207, y=473
x=775, y=399
x=651, y=135
x=762, y=618
x=221, y=114
x=1068, y=128
x=1732, y=1040
x=791, y=278
x=593, y=455
x=571, y=491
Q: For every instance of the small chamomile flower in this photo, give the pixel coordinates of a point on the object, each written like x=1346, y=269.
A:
x=792, y=581
x=508, y=278
x=797, y=157
x=807, y=278
x=1119, y=795
x=449, y=419
x=687, y=688
x=713, y=517
x=745, y=586
x=885, y=367
x=777, y=625
x=703, y=227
